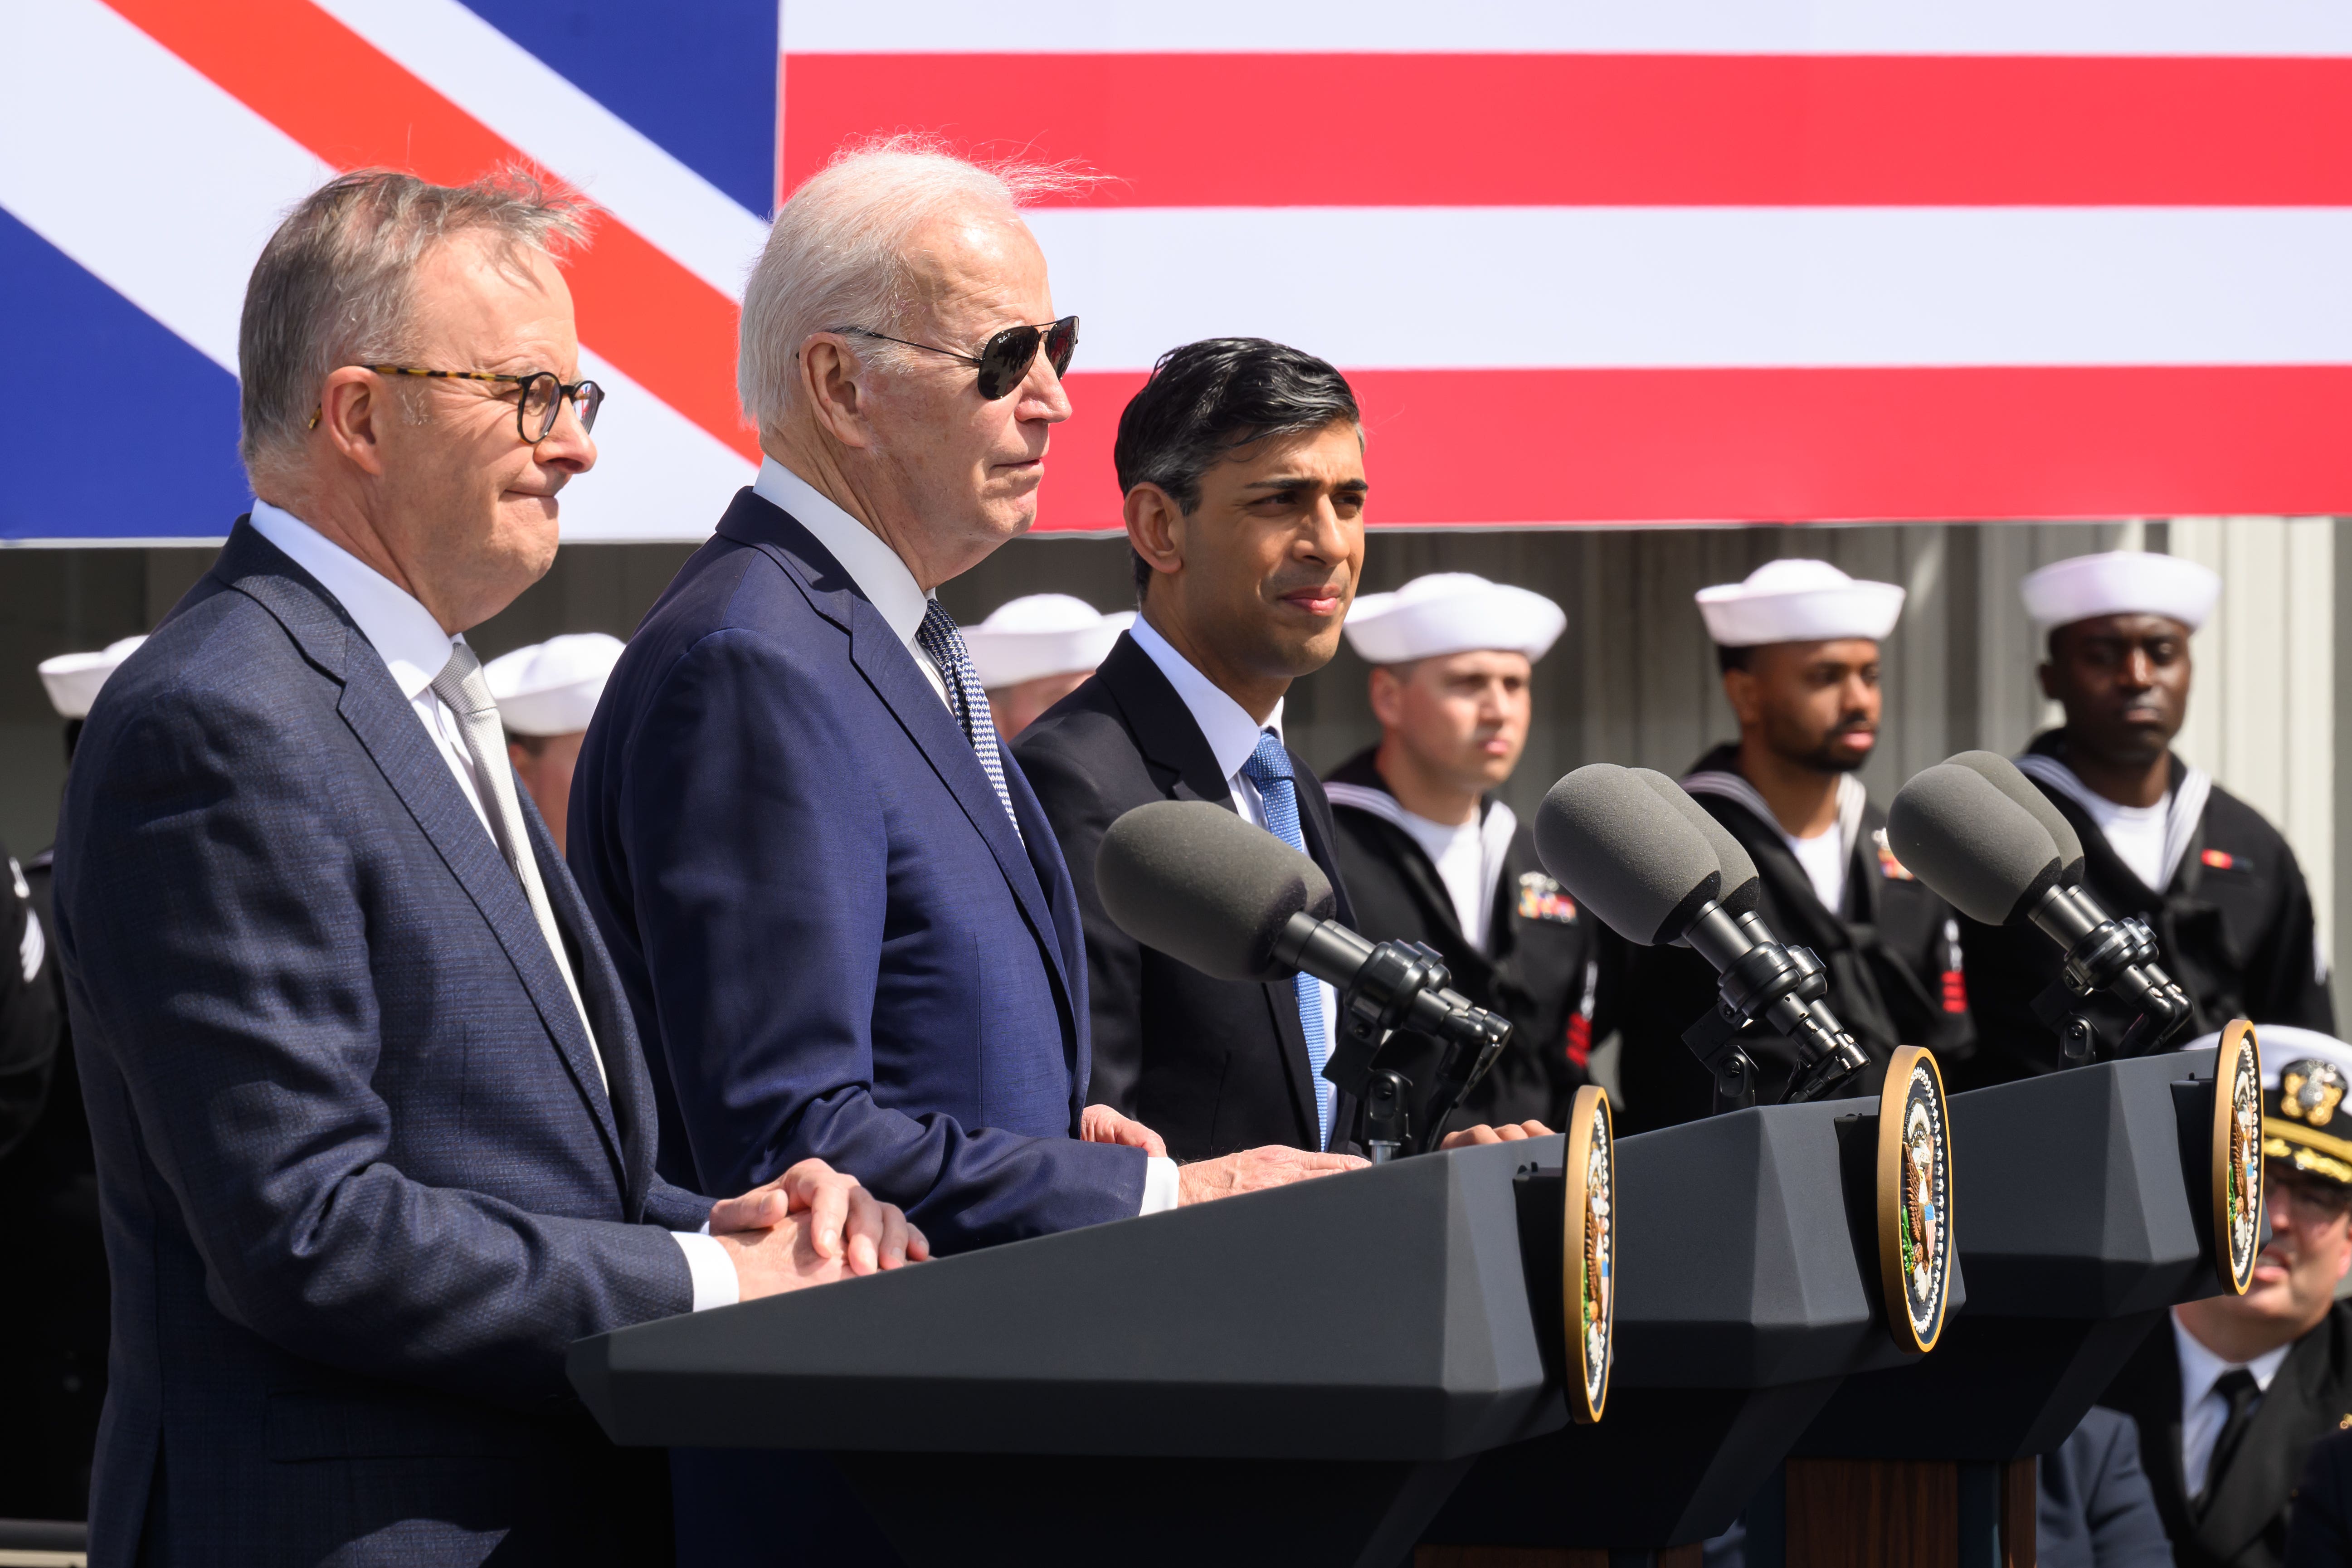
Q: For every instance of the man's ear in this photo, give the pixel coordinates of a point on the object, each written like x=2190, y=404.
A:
x=832, y=381
x=2048, y=675
x=1388, y=696
x=1739, y=690
x=353, y=402
x=1155, y=527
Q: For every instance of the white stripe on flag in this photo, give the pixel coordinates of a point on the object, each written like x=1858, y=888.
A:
x=1607, y=26
x=510, y=89
x=1406, y=288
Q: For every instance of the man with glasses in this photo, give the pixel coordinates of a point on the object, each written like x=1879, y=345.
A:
x=376, y=1144
x=840, y=912
x=2231, y=1393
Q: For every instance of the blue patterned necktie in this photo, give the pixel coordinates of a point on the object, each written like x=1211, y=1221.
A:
x=939, y=638
x=1269, y=769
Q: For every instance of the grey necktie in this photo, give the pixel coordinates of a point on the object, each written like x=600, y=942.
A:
x=461, y=687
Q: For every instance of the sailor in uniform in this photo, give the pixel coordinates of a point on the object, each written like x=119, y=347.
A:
x=2161, y=841
x=1429, y=855
x=1798, y=645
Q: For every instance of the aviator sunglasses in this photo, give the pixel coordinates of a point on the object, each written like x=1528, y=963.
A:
x=1004, y=360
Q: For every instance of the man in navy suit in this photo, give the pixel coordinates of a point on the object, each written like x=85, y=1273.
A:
x=376, y=1144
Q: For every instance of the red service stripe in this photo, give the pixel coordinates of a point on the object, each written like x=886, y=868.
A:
x=1529, y=130
x=1525, y=446
x=336, y=94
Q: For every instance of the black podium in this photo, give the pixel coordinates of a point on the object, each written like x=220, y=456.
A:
x=1294, y=1376
x=1748, y=1261
x=2086, y=1209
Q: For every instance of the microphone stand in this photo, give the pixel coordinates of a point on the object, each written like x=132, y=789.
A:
x=1761, y=981
x=2105, y=955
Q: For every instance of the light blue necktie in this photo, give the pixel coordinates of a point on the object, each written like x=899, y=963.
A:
x=1269, y=769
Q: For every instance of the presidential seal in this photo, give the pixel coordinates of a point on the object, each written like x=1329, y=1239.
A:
x=1914, y=1198
x=1588, y=1285
x=2238, y=1156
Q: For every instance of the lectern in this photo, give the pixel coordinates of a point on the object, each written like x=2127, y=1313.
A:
x=1294, y=1376
x=1752, y=1287
x=2092, y=1199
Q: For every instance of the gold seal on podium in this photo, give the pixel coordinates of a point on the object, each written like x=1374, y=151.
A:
x=2237, y=1156
x=1914, y=1198
x=1589, y=1259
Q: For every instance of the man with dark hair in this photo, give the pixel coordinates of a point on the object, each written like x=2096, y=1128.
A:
x=1242, y=461
x=1798, y=645
x=2217, y=884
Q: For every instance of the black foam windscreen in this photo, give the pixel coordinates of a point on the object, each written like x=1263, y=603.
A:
x=1194, y=881
x=2010, y=779
x=1973, y=844
x=1626, y=853
x=1742, y=889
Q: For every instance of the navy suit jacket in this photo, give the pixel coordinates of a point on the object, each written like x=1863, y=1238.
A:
x=835, y=943
x=360, y=1188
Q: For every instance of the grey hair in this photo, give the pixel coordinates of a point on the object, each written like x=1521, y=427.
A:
x=840, y=254
x=334, y=284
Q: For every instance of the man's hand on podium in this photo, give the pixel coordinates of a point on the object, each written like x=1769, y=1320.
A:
x=810, y=1225
x=1253, y=1169
x=1509, y=1132
x=1101, y=1124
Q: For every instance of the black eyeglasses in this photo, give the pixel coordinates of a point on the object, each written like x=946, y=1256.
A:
x=1004, y=360
x=543, y=394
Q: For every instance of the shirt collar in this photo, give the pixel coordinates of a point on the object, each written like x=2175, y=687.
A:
x=872, y=565
x=403, y=633
x=1224, y=724
x=2200, y=1369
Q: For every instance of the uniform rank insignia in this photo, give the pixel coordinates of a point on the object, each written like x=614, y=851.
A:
x=2219, y=860
x=1541, y=898
x=1889, y=867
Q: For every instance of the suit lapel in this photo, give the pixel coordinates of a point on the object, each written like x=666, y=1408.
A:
x=387, y=728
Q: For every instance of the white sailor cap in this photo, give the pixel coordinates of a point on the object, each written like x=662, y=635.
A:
x=1040, y=635
x=73, y=678
x=551, y=687
x=1453, y=612
x=2121, y=583
x=1795, y=600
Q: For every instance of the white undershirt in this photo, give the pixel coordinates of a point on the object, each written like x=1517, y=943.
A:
x=2136, y=833
x=1458, y=851
x=2203, y=1413
x=1824, y=858
x=890, y=587
x=413, y=649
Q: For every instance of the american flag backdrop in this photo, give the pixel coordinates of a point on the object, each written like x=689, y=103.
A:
x=1684, y=260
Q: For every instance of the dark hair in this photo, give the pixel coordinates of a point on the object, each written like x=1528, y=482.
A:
x=1207, y=399
x=1727, y=659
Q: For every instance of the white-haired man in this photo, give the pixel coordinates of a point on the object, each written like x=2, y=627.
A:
x=1428, y=852
x=374, y=1140
x=1034, y=651
x=546, y=694
x=840, y=911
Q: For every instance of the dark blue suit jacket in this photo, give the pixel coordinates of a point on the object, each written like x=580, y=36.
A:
x=834, y=942
x=361, y=1190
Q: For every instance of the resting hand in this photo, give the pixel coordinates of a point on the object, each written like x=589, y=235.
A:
x=1101, y=1124
x=1255, y=1170
x=1509, y=1132
x=841, y=1221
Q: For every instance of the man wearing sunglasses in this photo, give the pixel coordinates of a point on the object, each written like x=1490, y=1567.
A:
x=374, y=1138
x=840, y=911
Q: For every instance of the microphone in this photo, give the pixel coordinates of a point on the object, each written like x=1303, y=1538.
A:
x=1967, y=830
x=1651, y=862
x=1193, y=880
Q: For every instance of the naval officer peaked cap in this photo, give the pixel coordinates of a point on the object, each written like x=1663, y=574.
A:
x=1040, y=635
x=2306, y=1116
x=1795, y=600
x=1453, y=612
x=72, y=679
x=2121, y=583
x=551, y=687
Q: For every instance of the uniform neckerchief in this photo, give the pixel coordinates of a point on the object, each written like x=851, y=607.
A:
x=2181, y=817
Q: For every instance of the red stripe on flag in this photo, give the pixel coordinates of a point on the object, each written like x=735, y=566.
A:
x=1524, y=447
x=336, y=94
x=1448, y=130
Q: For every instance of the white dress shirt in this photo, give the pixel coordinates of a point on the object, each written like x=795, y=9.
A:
x=413, y=649
x=1233, y=737
x=2203, y=1413
x=876, y=571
